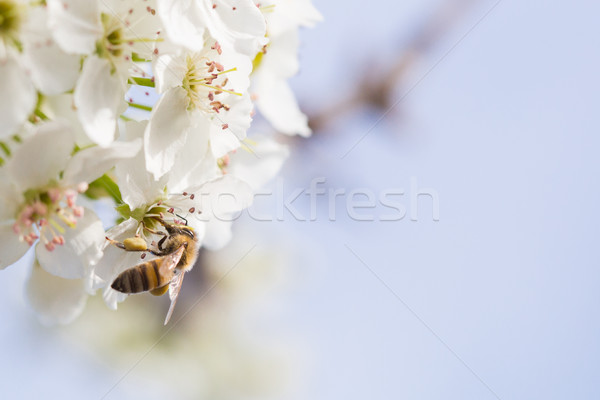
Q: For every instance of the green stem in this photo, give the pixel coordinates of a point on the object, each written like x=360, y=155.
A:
x=40, y=114
x=136, y=58
x=140, y=106
x=5, y=148
x=142, y=81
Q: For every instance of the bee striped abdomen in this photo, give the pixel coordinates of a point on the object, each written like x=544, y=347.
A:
x=140, y=278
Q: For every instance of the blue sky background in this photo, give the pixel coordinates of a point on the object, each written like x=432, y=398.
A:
x=497, y=299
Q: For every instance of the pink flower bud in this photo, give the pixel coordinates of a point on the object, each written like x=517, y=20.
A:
x=40, y=208
x=82, y=187
x=54, y=194
x=78, y=211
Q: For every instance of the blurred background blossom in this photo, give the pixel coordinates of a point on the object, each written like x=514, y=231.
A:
x=493, y=105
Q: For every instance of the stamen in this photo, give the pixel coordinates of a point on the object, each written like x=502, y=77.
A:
x=218, y=89
x=217, y=46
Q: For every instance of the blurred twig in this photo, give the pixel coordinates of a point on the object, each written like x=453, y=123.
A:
x=377, y=90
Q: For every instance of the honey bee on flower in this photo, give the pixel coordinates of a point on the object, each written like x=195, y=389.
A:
x=189, y=74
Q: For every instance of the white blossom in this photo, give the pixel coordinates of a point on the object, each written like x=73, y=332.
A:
x=56, y=300
x=273, y=67
x=233, y=23
x=30, y=61
x=39, y=201
x=109, y=33
x=193, y=193
x=204, y=93
x=66, y=67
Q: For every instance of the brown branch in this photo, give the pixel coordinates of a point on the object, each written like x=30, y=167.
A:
x=377, y=90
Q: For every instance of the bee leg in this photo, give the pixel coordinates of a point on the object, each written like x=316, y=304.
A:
x=161, y=241
x=153, y=231
x=115, y=243
x=122, y=246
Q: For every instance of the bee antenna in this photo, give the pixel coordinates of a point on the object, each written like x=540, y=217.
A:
x=182, y=219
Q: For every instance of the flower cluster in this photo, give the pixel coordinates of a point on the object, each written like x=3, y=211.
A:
x=145, y=102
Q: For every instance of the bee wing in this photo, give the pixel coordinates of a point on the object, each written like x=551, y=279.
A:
x=169, y=262
x=174, y=288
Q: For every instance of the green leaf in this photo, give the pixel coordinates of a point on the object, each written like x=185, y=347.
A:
x=104, y=187
x=124, y=210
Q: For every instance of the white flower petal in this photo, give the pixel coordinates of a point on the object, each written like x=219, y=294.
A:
x=138, y=19
x=291, y=14
x=32, y=164
x=11, y=248
x=166, y=132
x=112, y=298
x=52, y=70
x=258, y=163
x=55, y=300
x=222, y=141
x=10, y=198
x=239, y=79
x=98, y=95
x=116, y=260
x=75, y=24
x=281, y=59
x=138, y=186
x=194, y=166
x=90, y=164
x=82, y=249
x=109, y=264
x=63, y=107
x=17, y=97
x=239, y=117
x=277, y=103
x=236, y=23
x=223, y=196
x=169, y=72
x=275, y=99
x=182, y=22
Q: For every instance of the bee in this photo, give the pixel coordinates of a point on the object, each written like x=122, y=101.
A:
x=177, y=253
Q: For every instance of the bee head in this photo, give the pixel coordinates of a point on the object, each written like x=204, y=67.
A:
x=186, y=230
x=180, y=230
